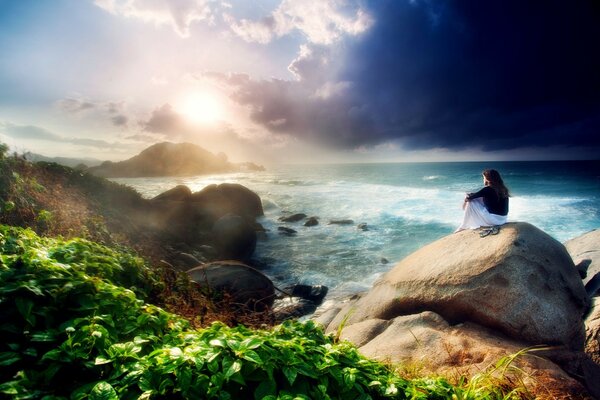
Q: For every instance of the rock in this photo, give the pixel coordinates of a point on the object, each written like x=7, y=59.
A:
x=362, y=227
x=429, y=342
x=311, y=221
x=384, y=260
x=313, y=293
x=244, y=284
x=341, y=222
x=290, y=308
x=582, y=267
x=286, y=231
x=186, y=260
x=178, y=193
x=229, y=198
x=521, y=283
x=293, y=218
x=592, y=286
x=592, y=331
x=234, y=237
x=207, y=251
x=586, y=247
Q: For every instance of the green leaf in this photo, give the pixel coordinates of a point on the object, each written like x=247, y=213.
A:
x=235, y=367
x=102, y=360
x=251, y=343
x=25, y=306
x=251, y=355
x=265, y=390
x=103, y=391
x=290, y=374
x=9, y=358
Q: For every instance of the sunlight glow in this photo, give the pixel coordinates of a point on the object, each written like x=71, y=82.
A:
x=201, y=107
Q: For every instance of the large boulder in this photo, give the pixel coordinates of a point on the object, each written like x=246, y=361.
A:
x=586, y=247
x=245, y=285
x=178, y=193
x=520, y=283
x=234, y=237
x=229, y=198
x=592, y=330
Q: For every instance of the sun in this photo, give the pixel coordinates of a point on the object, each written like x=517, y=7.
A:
x=201, y=107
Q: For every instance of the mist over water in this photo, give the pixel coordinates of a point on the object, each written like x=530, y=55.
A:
x=405, y=206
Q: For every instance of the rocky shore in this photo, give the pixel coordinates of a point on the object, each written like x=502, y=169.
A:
x=463, y=302
x=456, y=305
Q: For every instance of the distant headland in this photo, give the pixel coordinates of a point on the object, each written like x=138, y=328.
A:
x=171, y=159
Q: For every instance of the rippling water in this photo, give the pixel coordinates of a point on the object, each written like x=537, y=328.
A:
x=404, y=205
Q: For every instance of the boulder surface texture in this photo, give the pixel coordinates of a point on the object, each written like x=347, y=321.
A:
x=520, y=283
x=586, y=247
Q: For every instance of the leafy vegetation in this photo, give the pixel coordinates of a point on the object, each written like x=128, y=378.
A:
x=76, y=324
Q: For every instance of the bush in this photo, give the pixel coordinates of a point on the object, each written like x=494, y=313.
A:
x=76, y=324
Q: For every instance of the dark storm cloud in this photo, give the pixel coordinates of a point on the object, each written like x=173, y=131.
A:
x=499, y=75
x=493, y=74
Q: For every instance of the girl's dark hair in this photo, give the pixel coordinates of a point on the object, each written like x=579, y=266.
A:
x=496, y=182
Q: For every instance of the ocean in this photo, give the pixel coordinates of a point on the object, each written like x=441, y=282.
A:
x=405, y=206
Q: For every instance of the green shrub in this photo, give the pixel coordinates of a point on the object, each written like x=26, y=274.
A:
x=76, y=325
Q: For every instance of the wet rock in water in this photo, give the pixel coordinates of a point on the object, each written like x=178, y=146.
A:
x=178, y=193
x=314, y=293
x=286, y=231
x=312, y=221
x=362, y=227
x=293, y=218
x=291, y=308
x=247, y=286
x=341, y=222
x=234, y=237
x=384, y=260
x=228, y=198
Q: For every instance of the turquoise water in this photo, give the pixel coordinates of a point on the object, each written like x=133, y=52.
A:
x=404, y=205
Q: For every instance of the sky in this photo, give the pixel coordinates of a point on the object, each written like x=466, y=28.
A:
x=284, y=81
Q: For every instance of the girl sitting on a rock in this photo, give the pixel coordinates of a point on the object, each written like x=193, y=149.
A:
x=487, y=207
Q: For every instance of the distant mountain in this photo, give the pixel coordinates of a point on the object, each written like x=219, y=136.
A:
x=170, y=159
x=66, y=161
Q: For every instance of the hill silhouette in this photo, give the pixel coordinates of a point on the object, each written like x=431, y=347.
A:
x=170, y=159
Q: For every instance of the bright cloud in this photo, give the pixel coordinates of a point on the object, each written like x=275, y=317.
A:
x=180, y=14
x=320, y=21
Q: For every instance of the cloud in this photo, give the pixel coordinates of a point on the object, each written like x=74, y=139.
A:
x=436, y=74
x=114, y=110
x=72, y=105
x=165, y=120
x=320, y=21
x=179, y=14
x=119, y=120
x=38, y=133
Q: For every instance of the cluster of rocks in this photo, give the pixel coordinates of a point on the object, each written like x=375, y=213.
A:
x=217, y=227
x=313, y=221
x=463, y=302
